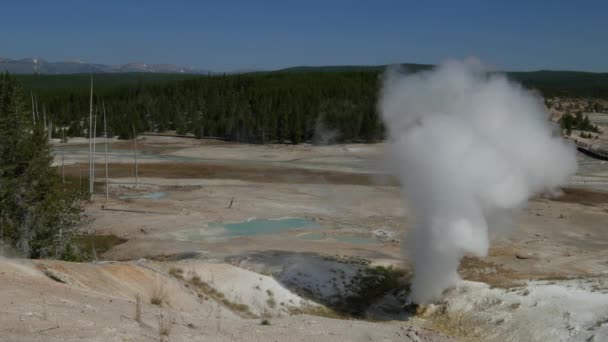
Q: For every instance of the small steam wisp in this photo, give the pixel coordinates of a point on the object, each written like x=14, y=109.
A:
x=469, y=148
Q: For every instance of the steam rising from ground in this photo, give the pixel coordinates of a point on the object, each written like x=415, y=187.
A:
x=469, y=148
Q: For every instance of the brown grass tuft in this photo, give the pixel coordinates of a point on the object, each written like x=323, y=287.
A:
x=158, y=294
x=164, y=326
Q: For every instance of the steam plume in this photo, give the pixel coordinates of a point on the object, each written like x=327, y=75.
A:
x=469, y=148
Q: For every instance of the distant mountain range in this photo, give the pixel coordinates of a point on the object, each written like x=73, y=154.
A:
x=41, y=66
x=338, y=68
x=414, y=67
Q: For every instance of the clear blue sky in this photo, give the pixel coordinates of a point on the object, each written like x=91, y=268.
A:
x=232, y=35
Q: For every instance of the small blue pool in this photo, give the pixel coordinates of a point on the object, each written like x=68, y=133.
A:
x=261, y=227
x=246, y=228
x=146, y=195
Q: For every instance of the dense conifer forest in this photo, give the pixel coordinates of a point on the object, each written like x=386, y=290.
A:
x=288, y=106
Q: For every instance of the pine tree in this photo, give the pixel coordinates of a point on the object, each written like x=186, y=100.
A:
x=37, y=217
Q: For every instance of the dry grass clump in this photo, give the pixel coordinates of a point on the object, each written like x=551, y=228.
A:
x=158, y=294
x=270, y=301
x=321, y=311
x=212, y=292
x=138, y=308
x=165, y=324
x=177, y=273
x=265, y=319
x=243, y=308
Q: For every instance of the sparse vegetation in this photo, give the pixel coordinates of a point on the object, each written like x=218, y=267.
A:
x=91, y=245
x=238, y=307
x=368, y=286
x=51, y=275
x=176, y=272
x=317, y=310
x=354, y=295
x=138, y=308
x=587, y=136
x=210, y=291
x=158, y=294
x=569, y=122
x=165, y=324
x=265, y=317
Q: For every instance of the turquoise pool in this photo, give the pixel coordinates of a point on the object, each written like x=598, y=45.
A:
x=246, y=228
x=261, y=227
x=351, y=239
x=146, y=195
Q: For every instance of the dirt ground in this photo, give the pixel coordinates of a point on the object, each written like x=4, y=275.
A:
x=566, y=233
x=358, y=214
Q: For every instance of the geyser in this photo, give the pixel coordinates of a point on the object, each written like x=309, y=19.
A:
x=469, y=147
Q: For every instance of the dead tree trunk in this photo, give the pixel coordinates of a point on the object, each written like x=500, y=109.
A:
x=90, y=142
x=62, y=155
x=105, y=137
x=33, y=109
x=94, y=144
x=135, y=155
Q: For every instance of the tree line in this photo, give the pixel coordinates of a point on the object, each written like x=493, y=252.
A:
x=269, y=107
x=253, y=108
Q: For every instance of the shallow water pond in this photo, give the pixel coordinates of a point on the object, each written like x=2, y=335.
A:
x=351, y=239
x=260, y=227
x=245, y=228
x=146, y=195
x=312, y=236
x=255, y=227
x=355, y=240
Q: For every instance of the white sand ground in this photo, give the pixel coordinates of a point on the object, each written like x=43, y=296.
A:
x=97, y=303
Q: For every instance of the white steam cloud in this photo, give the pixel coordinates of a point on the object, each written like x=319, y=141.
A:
x=469, y=148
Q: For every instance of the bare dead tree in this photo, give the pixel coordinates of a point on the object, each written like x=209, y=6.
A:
x=33, y=109
x=62, y=155
x=44, y=117
x=138, y=308
x=94, y=143
x=90, y=142
x=50, y=131
x=1, y=237
x=135, y=155
x=105, y=136
x=36, y=102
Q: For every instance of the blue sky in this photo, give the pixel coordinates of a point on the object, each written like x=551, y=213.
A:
x=234, y=35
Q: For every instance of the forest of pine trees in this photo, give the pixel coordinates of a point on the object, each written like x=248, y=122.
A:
x=37, y=214
x=265, y=107
x=254, y=108
x=578, y=121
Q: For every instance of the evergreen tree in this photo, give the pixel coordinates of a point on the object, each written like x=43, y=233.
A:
x=37, y=217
